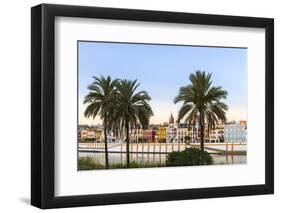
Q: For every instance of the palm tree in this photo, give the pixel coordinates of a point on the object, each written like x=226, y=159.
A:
x=133, y=109
x=99, y=100
x=201, y=102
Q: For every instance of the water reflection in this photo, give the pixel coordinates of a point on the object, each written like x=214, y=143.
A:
x=157, y=158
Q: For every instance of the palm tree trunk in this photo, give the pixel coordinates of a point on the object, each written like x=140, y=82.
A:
x=202, y=128
x=105, y=145
x=127, y=144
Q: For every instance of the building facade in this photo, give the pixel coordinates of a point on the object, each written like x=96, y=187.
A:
x=161, y=134
x=235, y=133
x=149, y=135
x=136, y=135
x=87, y=135
x=217, y=135
x=171, y=131
x=182, y=133
x=193, y=132
x=98, y=134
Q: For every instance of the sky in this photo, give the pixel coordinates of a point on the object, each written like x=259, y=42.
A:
x=161, y=70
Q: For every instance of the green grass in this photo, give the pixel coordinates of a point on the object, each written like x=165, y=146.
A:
x=88, y=163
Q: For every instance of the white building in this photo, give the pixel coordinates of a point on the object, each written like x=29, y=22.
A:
x=110, y=137
x=136, y=135
x=235, y=133
x=194, y=133
x=182, y=133
x=171, y=133
x=217, y=135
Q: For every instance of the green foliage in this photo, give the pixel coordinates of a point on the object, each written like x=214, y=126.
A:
x=119, y=105
x=98, y=101
x=88, y=163
x=201, y=97
x=131, y=108
x=201, y=101
x=136, y=164
x=188, y=157
x=99, y=98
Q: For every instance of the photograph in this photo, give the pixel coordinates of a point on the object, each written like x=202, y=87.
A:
x=143, y=105
x=138, y=105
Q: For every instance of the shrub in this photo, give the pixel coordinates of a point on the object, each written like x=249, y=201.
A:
x=188, y=157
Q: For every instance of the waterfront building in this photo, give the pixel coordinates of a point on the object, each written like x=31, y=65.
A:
x=206, y=133
x=149, y=135
x=136, y=135
x=243, y=122
x=217, y=135
x=83, y=134
x=161, y=134
x=235, y=133
x=196, y=133
x=171, y=131
x=182, y=133
x=193, y=132
x=87, y=135
x=98, y=134
x=109, y=135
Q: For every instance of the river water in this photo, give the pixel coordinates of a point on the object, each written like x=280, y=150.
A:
x=159, y=158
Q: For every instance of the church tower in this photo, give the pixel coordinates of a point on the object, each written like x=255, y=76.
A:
x=171, y=119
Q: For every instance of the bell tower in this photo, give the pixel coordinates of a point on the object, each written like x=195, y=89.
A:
x=171, y=119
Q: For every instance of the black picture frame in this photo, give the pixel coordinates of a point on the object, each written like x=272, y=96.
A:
x=43, y=102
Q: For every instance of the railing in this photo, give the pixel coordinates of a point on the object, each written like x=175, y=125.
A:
x=164, y=147
x=158, y=150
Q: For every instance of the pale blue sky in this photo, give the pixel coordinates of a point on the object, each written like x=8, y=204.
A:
x=162, y=69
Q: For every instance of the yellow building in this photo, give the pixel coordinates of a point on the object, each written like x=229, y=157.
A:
x=243, y=122
x=84, y=134
x=87, y=135
x=161, y=134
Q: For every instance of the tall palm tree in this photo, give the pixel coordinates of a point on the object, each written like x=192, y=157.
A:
x=132, y=109
x=99, y=100
x=201, y=102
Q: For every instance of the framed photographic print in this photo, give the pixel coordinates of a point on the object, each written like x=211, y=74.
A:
x=139, y=106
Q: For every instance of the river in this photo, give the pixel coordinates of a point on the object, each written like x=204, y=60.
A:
x=161, y=158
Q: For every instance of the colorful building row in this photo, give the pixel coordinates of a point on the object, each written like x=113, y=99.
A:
x=172, y=132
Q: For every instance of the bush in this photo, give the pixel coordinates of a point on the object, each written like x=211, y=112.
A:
x=188, y=157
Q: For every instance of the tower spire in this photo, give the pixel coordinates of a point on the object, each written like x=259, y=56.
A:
x=171, y=119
